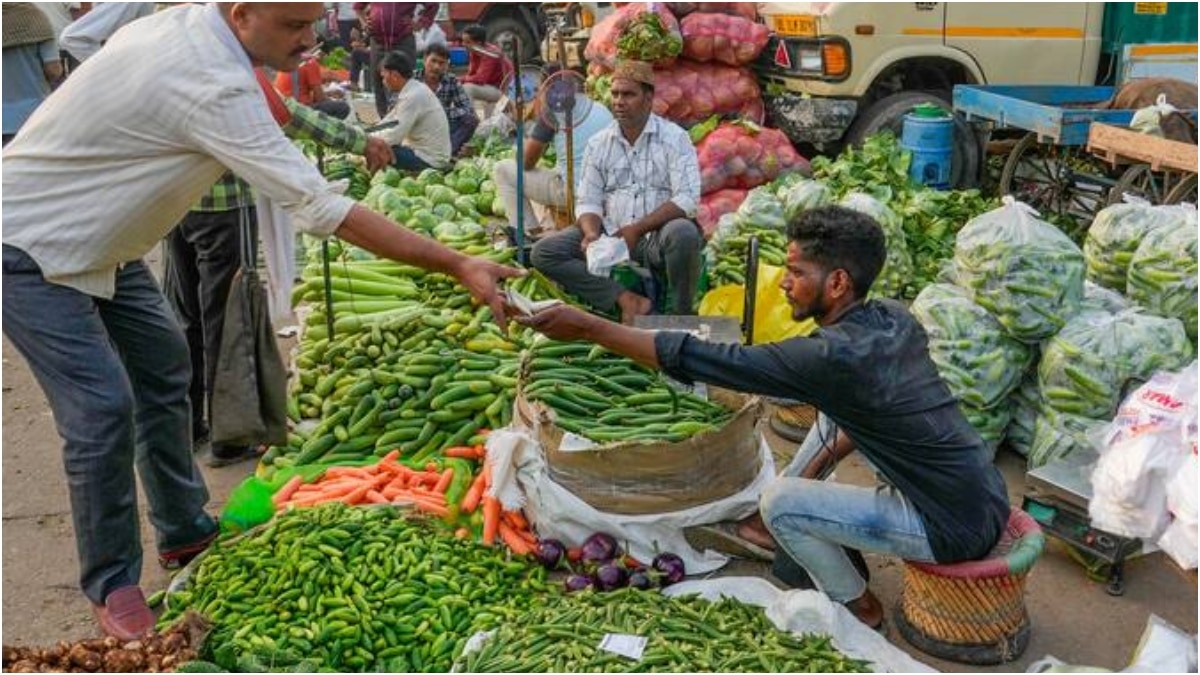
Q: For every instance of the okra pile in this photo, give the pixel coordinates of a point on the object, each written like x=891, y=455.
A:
x=609, y=398
x=684, y=634
x=354, y=589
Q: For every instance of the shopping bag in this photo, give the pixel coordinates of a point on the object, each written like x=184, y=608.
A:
x=249, y=390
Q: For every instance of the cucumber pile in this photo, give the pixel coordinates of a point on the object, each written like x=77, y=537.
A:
x=611, y=399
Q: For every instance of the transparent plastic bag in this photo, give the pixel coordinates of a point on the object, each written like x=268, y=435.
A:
x=1023, y=270
x=980, y=363
x=897, y=269
x=1113, y=239
x=761, y=209
x=802, y=195
x=1162, y=273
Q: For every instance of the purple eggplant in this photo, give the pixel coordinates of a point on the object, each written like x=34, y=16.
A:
x=577, y=582
x=610, y=576
x=640, y=579
x=670, y=568
x=600, y=548
x=550, y=553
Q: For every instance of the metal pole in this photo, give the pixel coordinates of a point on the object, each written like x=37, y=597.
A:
x=325, y=259
x=751, y=291
x=570, y=131
x=514, y=46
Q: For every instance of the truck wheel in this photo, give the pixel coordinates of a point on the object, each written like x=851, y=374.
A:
x=887, y=114
x=502, y=28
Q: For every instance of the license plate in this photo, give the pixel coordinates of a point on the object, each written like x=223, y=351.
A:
x=803, y=25
x=1149, y=8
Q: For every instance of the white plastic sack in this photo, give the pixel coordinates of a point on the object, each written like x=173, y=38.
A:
x=606, y=253
x=279, y=252
x=557, y=513
x=1179, y=539
x=1139, y=451
x=434, y=35
x=1163, y=649
x=1148, y=120
x=808, y=612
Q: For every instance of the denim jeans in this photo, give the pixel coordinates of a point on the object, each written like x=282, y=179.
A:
x=116, y=374
x=812, y=520
x=407, y=160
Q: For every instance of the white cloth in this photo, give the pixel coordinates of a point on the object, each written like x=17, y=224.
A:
x=421, y=124
x=87, y=34
x=621, y=182
x=58, y=14
x=279, y=252
x=113, y=160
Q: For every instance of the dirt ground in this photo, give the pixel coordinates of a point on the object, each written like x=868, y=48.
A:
x=1073, y=618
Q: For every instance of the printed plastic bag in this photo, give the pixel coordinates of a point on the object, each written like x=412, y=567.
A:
x=732, y=40
x=744, y=155
x=1023, y=270
x=641, y=31
x=980, y=363
x=898, y=265
x=1140, y=450
x=1162, y=274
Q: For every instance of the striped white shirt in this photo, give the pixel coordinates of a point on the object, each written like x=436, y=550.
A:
x=115, y=157
x=621, y=182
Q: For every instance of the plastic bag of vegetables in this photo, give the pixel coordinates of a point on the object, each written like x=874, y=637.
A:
x=643, y=31
x=761, y=209
x=803, y=195
x=1114, y=237
x=1025, y=404
x=732, y=40
x=1087, y=365
x=746, y=10
x=1097, y=298
x=1023, y=270
x=744, y=155
x=990, y=423
x=898, y=265
x=717, y=204
x=977, y=359
x=1162, y=274
x=1057, y=434
x=689, y=92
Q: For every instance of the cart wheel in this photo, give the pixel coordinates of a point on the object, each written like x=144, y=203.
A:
x=1057, y=180
x=1184, y=191
x=1138, y=180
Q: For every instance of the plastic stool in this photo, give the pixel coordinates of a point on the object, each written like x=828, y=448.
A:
x=973, y=612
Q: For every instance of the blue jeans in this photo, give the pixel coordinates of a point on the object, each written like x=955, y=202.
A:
x=407, y=160
x=812, y=520
x=116, y=374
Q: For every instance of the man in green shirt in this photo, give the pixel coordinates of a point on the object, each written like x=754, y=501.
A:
x=202, y=255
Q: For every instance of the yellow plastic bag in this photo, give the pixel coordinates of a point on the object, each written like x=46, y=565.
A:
x=772, y=314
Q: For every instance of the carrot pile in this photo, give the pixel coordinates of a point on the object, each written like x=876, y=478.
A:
x=390, y=482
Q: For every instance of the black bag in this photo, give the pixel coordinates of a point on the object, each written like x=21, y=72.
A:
x=249, y=390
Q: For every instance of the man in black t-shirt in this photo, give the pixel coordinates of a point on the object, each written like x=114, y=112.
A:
x=867, y=369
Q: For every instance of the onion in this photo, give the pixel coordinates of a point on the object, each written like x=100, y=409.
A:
x=671, y=568
x=600, y=548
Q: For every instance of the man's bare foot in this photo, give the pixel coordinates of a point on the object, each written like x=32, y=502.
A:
x=867, y=609
x=632, y=305
x=753, y=530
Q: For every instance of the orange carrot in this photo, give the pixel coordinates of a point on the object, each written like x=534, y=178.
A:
x=462, y=533
x=390, y=457
x=491, y=520
x=513, y=541
x=464, y=452
x=517, y=520
x=431, y=467
x=289, y=488
x=356, y=495
x=474, y=494
x=443, y=483
x=434, y=509
x=376, y=498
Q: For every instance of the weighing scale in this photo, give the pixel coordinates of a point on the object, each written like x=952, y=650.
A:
x=1057, y=498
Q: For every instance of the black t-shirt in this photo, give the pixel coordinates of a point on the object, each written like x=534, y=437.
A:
x=871, y=374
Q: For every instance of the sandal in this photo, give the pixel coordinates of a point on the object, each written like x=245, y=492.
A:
x=723, y=538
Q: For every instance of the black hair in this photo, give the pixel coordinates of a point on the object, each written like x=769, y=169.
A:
x=437, y=48
x=398, y=62
x=835, y=237
x=476, y=32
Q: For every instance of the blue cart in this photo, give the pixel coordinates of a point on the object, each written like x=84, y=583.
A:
x=1050, y=168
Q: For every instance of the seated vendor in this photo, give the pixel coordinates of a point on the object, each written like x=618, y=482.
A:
x=867, y=369
x=419, y=133
x=437, y=76
x=306, y=84
x=640, y=181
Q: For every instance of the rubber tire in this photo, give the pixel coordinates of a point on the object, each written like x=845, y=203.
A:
x=530, y=48
x=888, y=114
x=1184, y=189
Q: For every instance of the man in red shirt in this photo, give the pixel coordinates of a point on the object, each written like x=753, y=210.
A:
x=390, y=26
x=307, y=86
x=486, y=68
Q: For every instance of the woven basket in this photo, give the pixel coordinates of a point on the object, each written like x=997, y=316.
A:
x=973, y=612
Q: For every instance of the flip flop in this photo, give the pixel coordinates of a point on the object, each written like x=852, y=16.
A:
x=723, y=538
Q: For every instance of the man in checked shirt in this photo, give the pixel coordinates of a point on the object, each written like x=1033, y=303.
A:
x=640, y=181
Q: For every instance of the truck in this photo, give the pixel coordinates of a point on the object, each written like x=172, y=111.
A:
x=502, y=21
x=834, y=73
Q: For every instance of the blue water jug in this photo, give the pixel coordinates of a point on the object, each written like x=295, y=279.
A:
x=929, y=135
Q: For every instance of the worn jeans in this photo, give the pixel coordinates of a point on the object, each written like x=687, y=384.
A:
x=461, y=131
x=672, y=251
x=543, y=186
x=116, y=375
x=812, y=520
x=407, y=160
x=203, y=253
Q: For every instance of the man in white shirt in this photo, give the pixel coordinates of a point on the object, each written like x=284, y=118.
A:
x=419, y=132
x=641, y=182
x=132, y=141
x=87, y=34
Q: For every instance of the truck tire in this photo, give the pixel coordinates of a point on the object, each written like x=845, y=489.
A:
x=887, y=114
x=502, y=27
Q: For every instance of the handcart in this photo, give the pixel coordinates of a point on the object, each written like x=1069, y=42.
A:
x=1159, y=170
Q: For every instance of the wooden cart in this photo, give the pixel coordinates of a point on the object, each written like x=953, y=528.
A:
x=1158, y=170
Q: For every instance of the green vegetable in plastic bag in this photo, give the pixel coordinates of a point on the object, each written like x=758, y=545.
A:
x=1023, y=270
x=979, y=361
x=1113, y=238
x=802, y=195
x=898, y=265
x=1057, y=434
x=1025, y=404
x=1162, y=274
x=762, y=209
x=990, y=423
x=1087, y=366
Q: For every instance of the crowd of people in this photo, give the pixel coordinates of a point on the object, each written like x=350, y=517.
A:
x=197, y=134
